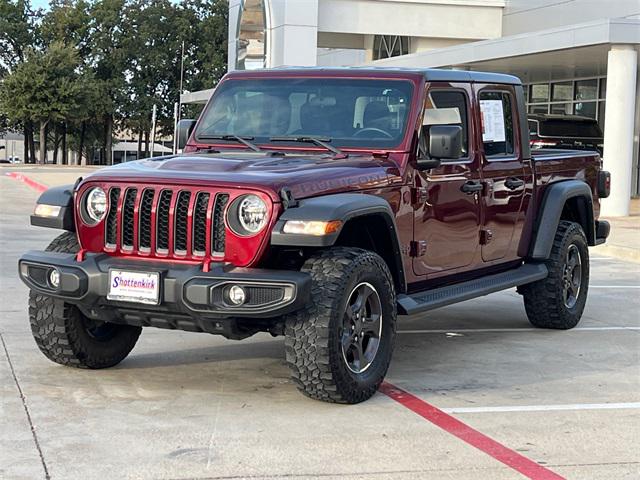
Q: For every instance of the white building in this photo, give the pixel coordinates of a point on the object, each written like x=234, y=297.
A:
x=576, y=56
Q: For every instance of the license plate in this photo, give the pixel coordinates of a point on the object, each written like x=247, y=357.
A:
x=137, y=287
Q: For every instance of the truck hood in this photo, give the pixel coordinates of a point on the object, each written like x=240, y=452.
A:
x=306, y=175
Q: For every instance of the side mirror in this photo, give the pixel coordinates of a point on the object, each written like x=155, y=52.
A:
x=185, y=127
x=445, y=142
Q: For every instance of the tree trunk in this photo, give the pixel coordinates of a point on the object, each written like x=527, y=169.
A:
x=26, y=143
x=56, y=143
x=139, y=145
x=146, y=144
x=81, y=159
x=43, y=143
x=108, y=139
x=32, y=144
x=65, y=154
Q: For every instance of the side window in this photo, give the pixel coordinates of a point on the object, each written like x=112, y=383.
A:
x=449, y=107
x=496, y=109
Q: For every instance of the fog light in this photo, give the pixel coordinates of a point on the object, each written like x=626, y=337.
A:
x=237, y=295
x=54, y=278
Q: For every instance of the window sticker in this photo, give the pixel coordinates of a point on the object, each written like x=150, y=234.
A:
x=492, y=121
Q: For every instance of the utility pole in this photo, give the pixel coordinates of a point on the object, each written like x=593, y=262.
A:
x=153, y=129
x=178, y=106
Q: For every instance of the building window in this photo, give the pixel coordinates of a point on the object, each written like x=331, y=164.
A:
x=387, y=46
x=584, y=97
x=251, y=42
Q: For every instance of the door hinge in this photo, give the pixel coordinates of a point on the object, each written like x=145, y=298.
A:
x=485, y=237
x=417, y=248
x=419, y=195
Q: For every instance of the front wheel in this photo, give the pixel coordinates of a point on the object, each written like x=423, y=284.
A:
x=66, y=336
x=339, y=347
x=558, y=301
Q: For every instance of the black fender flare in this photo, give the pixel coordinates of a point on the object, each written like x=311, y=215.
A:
x=555, y=198
x=344, y=207
x=61, y=196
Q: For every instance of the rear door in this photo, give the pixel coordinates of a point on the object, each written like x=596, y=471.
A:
x=507, y=180
x=447, y=217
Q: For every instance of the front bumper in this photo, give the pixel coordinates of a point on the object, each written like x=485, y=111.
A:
x=190, y=299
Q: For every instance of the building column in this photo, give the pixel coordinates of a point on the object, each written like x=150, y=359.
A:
x=293, y=33
x=622, y=71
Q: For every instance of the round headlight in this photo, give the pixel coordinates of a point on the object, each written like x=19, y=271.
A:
x=95, y=205
x=250, y=214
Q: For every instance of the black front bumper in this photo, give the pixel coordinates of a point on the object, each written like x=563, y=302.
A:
x=190, y=299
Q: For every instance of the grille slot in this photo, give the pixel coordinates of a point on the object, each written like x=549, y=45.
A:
x=111, y=228
x=219, y=231
x=181, y=216
x=200, y=224
x=162, y=219
x=144, y=232
x=128, y=206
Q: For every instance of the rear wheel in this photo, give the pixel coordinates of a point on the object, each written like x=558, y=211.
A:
x=339, y=347
x=66, y=336
x=559, y=300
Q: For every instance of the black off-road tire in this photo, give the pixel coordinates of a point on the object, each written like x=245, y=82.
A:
x=312, y=335
x=62, y=332
x=544, y=300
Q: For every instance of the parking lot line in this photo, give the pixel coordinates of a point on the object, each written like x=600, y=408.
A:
x=503, y=330
x=614, y=286
x=473, y=437
x=27, y=181
x=544, y=408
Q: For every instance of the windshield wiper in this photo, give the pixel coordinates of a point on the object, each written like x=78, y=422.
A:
x=244, y=140
x=321, y=142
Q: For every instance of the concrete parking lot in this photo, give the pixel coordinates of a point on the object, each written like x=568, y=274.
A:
x=194, y=406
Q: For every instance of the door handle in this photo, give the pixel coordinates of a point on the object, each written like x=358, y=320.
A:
x=513, y=183
x=471, y=187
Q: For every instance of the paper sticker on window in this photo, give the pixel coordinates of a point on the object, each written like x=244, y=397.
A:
x=492, y=121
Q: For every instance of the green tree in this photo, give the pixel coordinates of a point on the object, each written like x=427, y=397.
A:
x=47, y=87
x=18, y=32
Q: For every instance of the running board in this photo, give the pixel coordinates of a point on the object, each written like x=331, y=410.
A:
x=443, y=296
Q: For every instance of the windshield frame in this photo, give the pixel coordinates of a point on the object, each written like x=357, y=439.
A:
x=402, y=146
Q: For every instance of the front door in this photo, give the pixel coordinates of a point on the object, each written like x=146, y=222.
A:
x=447, y=217
x=507, y=180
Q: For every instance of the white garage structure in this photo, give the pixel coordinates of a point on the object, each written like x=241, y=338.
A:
x=576, y=56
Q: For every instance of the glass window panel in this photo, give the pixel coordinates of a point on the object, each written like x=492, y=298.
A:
x=539, y=93
x=539, y=108
x=561, y=109
x=452, y=100
x=562, y=91
x=587, y=89
x=251, y=43
x=497, y=113
x=603, y=88
x=586, y=109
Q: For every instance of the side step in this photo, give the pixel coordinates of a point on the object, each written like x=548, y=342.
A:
x=443, y=296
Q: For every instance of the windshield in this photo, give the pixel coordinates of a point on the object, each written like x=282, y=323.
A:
x=347, y=112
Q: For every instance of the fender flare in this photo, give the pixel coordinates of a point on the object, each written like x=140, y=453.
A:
x=344, y=207
x=61, y=196
x=555, y=197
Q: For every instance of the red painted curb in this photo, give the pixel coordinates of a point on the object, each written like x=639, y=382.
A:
x=464, y=432
x=27, y=181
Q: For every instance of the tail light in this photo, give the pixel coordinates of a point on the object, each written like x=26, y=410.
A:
x=604, y=184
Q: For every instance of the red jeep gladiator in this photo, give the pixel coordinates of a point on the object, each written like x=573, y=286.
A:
x=319, y=204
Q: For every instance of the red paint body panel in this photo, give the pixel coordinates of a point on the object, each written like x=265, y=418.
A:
x=428, y=206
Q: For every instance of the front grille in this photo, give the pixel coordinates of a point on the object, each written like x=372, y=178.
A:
x=186, y=223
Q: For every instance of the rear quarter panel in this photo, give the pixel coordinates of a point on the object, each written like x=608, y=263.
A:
x=552, y=166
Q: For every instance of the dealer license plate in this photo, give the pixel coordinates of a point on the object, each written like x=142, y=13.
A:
x=137, y=287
